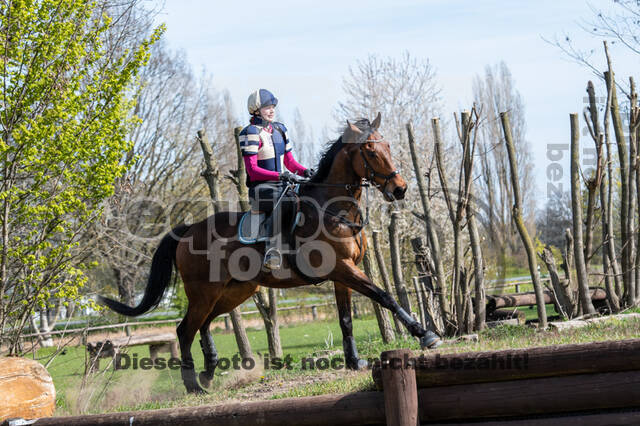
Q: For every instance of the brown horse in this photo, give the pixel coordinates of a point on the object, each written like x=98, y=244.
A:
x=219, y=272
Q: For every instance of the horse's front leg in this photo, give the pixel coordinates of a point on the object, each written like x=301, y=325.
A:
x=348, y=273
x=343, y=300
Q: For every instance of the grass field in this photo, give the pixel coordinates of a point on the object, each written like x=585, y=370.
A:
x=136, y=389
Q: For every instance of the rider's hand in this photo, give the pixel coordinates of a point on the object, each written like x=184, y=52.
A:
x=287, y=176
x=309, y=172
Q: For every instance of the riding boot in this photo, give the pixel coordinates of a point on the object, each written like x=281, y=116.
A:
x=272, y=255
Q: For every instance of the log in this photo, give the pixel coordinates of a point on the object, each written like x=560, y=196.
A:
x=607, y=417
x=506, y=314
x=549, y=395
x=400, y=396
x=526, y=299
x=513, y=322
x=148, y=339
x=577, y=323
x=363, y=408
x=512, y=364
x=26, y=389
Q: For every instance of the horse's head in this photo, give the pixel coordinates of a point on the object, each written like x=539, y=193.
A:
x=371, y=158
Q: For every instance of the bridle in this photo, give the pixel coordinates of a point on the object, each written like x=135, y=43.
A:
x=371, y=174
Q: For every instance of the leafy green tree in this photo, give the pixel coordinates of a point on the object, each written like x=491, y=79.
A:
x=65, y=111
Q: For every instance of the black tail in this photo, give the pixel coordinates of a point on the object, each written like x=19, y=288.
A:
x=159, y=276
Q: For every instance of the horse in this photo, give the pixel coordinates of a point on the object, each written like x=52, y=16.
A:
x=219, y=272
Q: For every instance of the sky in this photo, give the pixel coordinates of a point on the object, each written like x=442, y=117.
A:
x=301, y=50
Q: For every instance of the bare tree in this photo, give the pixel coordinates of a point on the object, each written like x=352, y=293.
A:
x=518, y=219
x=496, y=92
x=576, y=206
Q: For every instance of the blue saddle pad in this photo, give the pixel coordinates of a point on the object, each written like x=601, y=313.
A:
x=251, y=228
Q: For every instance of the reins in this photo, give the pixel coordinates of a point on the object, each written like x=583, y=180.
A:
x=366, y=182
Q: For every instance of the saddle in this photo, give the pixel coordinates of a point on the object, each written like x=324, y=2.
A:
x=253, y=227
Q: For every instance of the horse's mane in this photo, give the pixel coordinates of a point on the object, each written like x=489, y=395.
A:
x=333, y=147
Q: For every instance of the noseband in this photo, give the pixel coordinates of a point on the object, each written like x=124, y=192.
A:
x=370, y=173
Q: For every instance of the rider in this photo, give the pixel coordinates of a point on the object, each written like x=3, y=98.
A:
x=266, y=150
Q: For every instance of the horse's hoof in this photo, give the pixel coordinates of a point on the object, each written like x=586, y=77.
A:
x=357, y=365
x=197, y=390
x=204, y=379
x=430, y=340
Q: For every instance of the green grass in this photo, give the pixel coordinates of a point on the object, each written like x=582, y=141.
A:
x=125, y=390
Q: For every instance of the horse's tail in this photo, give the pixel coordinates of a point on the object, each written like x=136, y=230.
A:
x=159, y=276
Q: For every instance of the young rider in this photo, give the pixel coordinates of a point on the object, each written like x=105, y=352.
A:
x=266, y=150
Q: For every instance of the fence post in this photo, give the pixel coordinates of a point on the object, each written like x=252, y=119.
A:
x=400, y=389
x=314, y=312
x=227, y=326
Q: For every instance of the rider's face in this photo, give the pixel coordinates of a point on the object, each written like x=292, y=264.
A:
x=268, y=113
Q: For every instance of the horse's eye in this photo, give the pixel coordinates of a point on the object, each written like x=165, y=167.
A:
x=371, y=154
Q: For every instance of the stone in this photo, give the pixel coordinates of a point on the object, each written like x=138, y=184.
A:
x=26, y=389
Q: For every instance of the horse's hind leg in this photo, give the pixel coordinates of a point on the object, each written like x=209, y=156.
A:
x=234, y=294
x=209, y=351
x=200, y=305
x=343, y=300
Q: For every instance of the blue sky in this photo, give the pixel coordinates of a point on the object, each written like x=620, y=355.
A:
x=300, y=50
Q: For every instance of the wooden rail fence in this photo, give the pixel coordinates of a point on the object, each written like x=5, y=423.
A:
x=582, y=384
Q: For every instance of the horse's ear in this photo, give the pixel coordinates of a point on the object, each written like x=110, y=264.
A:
x=353, y=127
x=376, y=122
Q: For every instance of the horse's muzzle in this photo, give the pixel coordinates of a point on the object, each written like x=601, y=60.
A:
x=399, y=191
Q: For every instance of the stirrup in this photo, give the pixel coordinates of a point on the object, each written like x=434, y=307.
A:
x=272, y=259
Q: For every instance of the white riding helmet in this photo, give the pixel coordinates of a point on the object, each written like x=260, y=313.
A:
x=259, y=99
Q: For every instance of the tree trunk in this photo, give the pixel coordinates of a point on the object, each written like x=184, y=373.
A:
x=517, y=217
x=396, y=262
x=629, y=290
x=384, y=275
x=244, y=347
x=47, y=340
x=561, y=291
x=454, y=217
x=478, y=267
x=637, y=215
x=269, y=312
x=576, y=207
x=429, y=300
x=634, y=123
x=568, y=268
x=474, y=236
x=211, y=175
x=386, y=330
x=243, y=193
x=432, y=236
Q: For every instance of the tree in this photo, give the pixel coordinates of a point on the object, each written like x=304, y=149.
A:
x=163, y=183
x=64, y=115
x=494, y=93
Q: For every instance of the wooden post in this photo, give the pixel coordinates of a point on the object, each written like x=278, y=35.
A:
x=576, y=207
x=425, y=265
x=519, y=221
x=227, y=325
x=432, y=239
x=384, y=275
x=396, y=262
x=629, y=290
x=400, y=390
x=384, y=325
x=314, y=312
x=420, y=302
x=211, y=176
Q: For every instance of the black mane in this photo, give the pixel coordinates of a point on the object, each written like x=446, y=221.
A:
x=333, y=147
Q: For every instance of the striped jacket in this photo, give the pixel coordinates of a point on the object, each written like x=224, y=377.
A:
x=267, y=140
